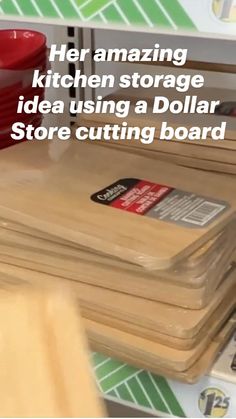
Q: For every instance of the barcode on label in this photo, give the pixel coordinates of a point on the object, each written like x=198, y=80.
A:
x=203, y=213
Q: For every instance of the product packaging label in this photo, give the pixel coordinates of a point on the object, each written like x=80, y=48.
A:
x=161, y=202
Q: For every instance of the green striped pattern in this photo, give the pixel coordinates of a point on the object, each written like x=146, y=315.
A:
x=135, y=386
x=168, y=14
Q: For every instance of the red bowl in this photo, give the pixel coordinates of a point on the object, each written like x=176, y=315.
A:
x=36, y=122
x=12, y=93
x=9, y=107
x=12, y=88
x=7, y=141
x=18, y=47
x=37, y=61
x=6, y=123
x=24, y=119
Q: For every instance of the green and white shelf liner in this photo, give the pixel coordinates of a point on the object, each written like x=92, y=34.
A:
x=207, y=17
x=135, y=387
x=213, y=396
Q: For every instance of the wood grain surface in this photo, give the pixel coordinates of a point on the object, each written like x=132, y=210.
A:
x=141, y=353
x=39, y=190
x=40, y=375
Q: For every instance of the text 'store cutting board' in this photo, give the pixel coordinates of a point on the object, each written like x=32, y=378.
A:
x=60, y=188
x=175, y=120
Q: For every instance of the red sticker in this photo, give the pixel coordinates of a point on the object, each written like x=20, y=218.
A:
x=140, y=198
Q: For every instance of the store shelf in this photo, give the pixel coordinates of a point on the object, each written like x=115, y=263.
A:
x=208, y=18
x=212, y=396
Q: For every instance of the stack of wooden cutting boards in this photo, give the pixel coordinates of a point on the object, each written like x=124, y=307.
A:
x=211, y=155
x=147, y=246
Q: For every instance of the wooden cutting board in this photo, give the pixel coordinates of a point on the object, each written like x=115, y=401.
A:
x=45, y=256
x=195, y=163
x=207, y=165
x=12, y=226
x=209, y=94
x=45, y=246
x=181, y=149
x=192, y=270
x=54, y=258
x=145, y=314
x=229, y=169
x=158, y=357
x=140, y=353
x=211, y=158
x=218, y=145
x=11, y=276
x=205, y=335
x=189, y=270
x=130, y=284
x=174, y=120
x=205, y=93
x=183, y=357
x=92, y=271
x=41, y=377
x=163, y=318
x=208, y=331
x=53, y=202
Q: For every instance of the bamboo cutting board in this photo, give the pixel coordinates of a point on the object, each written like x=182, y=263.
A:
x=185, y=285
x=207, y=165
x=145, y=314
x=89, y=270
x=219, y=145
x=190, y=270
x=203, y=270
x=188, y=120
x=11, y=226
x=205, y=93
x=149, y=289
x=40, y=376
x=11, y=276
x=182, y=359
x=159, y=357
x=174, y=120
x=139, y=353
x=216, y=156
x=41, y=192
x=205, y=335
x=163, y=318
x=179, y=160
x=193, y=270
x=207, y=332
x=181, y=149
